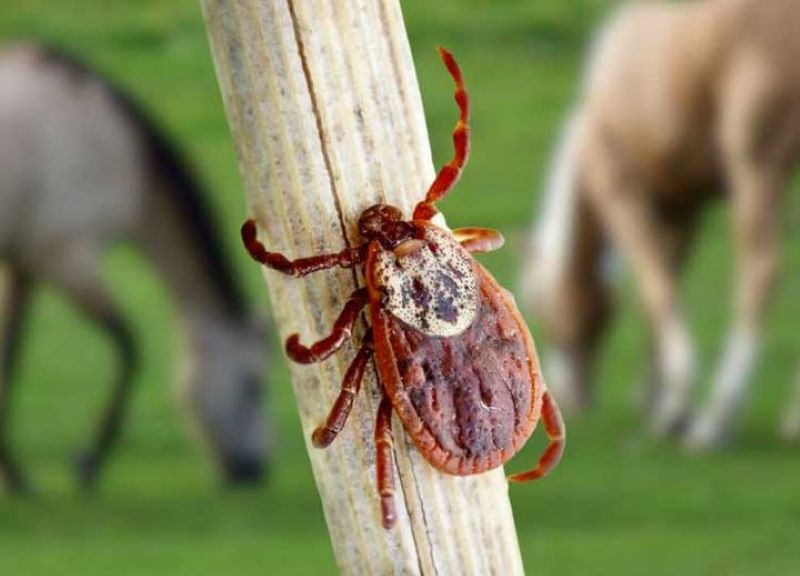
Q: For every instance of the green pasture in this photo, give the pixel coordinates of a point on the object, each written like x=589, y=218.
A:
x=619, y=504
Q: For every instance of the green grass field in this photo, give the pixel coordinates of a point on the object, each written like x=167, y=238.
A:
x=619, y=504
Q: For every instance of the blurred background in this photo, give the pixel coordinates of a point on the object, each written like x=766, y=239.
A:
x=618, y=503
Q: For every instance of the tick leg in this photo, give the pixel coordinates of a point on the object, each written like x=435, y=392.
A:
x=479, y=239
x=347, y=258
x=342, y=330
x=450, y=172
x=554, y=426
x=75, y=271
x=384, y=463
x=324, y=435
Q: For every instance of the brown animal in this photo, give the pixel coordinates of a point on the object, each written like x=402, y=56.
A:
x=682, y=103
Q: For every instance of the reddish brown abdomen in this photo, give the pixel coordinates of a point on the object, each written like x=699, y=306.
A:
x=468, y=401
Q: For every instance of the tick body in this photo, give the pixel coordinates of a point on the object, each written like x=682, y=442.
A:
x=455, y=359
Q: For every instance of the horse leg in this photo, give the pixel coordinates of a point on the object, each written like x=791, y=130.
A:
x=77, y=275
x=16, y=306
x=755, y=215
x=758, y=143
x=675, y=234
x=629, y=219
x=89, y=463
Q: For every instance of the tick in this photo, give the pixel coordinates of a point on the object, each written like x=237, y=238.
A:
x=455, y=359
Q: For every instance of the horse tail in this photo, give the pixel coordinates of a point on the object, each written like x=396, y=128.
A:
x=550, y=240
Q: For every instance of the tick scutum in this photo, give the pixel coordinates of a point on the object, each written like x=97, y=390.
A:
x=442, y=392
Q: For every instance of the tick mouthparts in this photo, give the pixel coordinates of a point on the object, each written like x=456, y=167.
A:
x=408, y=247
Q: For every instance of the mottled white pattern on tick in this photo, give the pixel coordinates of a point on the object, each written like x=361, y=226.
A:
x=429, y=284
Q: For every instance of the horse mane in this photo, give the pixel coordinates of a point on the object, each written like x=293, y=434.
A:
x=167, y=161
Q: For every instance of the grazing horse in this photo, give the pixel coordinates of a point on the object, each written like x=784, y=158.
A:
x=682, y=103
x=82, y=167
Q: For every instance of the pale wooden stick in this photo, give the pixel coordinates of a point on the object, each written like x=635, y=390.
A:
x=323, y=103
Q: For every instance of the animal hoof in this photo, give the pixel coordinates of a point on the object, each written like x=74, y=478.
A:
x=245, y=472
x=704, y=435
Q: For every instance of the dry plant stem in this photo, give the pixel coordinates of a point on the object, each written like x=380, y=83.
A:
x=323, y=104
